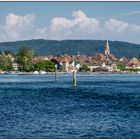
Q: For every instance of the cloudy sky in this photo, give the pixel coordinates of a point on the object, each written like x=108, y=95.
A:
x=70, y=20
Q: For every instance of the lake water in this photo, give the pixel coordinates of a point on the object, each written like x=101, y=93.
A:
x=101, y=106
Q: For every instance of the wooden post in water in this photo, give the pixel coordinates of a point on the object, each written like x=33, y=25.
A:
x=56, y=73
x=74, y=78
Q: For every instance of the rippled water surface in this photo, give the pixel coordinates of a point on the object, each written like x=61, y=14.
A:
x=101, y=106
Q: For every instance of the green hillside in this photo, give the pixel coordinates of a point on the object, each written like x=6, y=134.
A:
x=88, y=47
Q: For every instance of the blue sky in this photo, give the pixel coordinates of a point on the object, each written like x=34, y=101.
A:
x=70, y=20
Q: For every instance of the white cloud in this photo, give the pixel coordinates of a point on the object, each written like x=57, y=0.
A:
x=130, y=13
x=115, y=26
x=80, y=26
x=15, y=26
x=135, y=28
x=119, y=30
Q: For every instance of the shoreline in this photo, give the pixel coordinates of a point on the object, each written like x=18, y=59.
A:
x=59, y=73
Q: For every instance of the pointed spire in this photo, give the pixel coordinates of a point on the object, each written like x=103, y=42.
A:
x=78, y=53
x=107, y=49
x=107, y=43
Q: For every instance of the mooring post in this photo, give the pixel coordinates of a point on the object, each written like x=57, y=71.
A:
x=56, y=73
x=74, y=78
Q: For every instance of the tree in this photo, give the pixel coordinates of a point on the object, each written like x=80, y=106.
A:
x=85, y=68
x=24, y=58
x=45, y=65
x=121, y=66
x=5, y=62
x=59, y=67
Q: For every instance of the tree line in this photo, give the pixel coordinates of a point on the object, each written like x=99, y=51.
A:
x=24, y=59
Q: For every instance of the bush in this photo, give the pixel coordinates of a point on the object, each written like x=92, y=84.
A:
x=121, y=66
x=85, y=68
x=44, y=65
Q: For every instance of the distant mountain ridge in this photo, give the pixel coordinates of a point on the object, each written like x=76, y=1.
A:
x=72, y=47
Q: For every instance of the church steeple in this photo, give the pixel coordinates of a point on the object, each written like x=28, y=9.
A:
x=78, y=53
x=107, y=49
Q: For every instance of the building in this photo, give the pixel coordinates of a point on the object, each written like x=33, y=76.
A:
x=74, y=66
x=134, y=62
x=15, y=66
x=107, y=49
x=65, y=62
x=124, y=60
x=37, y=59
x=14, y=63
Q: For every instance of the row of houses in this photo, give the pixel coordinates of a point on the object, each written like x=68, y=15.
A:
x=100, y=62
x=64, y=62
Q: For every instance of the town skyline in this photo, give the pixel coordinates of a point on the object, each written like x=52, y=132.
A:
x=25, y=61
x=70, y=20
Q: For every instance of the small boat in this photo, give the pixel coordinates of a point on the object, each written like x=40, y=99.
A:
x=36, y=72
x=1, y=72
x=42, y=72
x=6, y=72
x=138, y=72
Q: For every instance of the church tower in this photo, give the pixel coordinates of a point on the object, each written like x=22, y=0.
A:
x=107, y=49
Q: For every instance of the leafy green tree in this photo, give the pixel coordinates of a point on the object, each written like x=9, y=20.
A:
x=85, y=68
x=121, y=66
x=24, y=58
x=45, y=65
x=5, y=62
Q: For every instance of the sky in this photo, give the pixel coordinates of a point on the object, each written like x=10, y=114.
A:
x=70, y=20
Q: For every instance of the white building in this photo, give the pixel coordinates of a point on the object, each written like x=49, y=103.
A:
x=15, y=66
